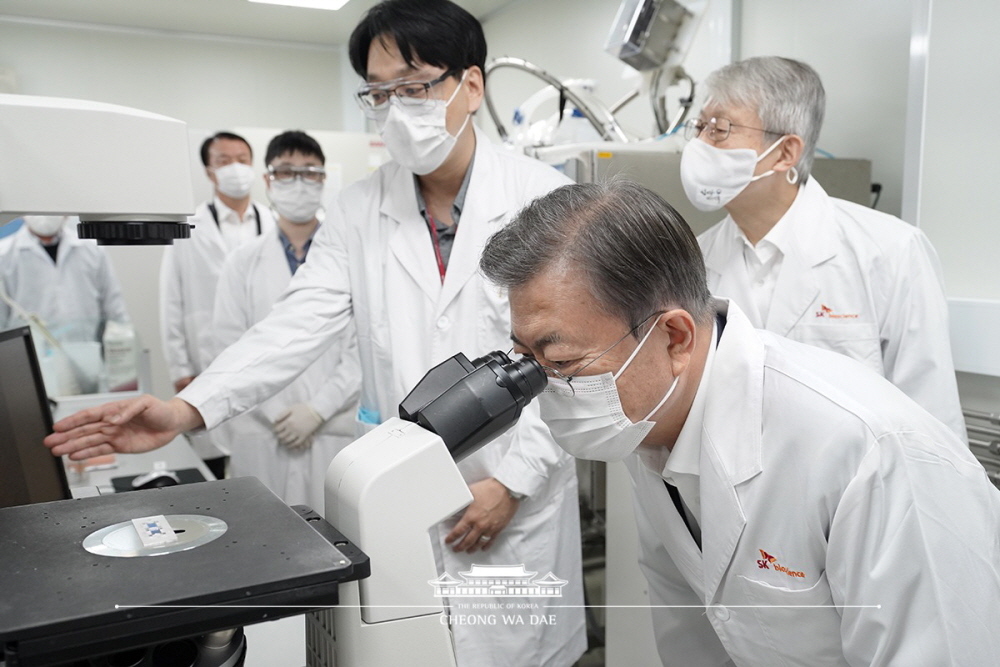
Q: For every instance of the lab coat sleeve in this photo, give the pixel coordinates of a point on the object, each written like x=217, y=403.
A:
x=112, y=301
x=914, y=557
x=343, y=387
x=533, y=455
x=916, y=351
x=175, y=348
x=310, y=316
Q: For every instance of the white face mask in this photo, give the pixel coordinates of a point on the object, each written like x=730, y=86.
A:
x=589, y=422
x=296, y=201
x=417, y=137
x=45, y=225
x=234, y=179
x=712, y=177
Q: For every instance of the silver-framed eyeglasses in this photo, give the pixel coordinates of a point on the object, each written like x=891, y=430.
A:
x=564, y=381
x=287, y=173
x=718, y=128
x=375, y=97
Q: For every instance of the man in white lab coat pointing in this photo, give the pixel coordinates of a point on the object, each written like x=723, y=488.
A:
x=399, y=257
x=800, y=263
x=794, y=508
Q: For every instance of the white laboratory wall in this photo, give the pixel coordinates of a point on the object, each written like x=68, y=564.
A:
x=953, y=190
x=203, y=81
x=860, y=48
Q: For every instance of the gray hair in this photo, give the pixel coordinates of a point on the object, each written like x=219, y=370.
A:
x=636, y=252
x=787, y=95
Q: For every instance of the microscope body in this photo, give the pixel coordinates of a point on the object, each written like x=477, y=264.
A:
x=387, y=490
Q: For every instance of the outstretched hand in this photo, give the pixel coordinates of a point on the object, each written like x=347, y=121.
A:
x=127, y=427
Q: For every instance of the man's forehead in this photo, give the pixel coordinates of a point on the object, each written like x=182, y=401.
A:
x=730, y=110
x=386, y=63
x=295, y=156
x=228, y=147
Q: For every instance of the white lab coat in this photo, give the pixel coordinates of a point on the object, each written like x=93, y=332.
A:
x=74, y=296
x=374, y=258
x=253, y=278
x=835, y=474
x=188, y=278
x=878, y=276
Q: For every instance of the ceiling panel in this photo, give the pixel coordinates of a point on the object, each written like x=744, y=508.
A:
x=234, y=18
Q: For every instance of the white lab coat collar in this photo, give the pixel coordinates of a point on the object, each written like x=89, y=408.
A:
x=410, y=242
x=730, y=439
x=808, y=239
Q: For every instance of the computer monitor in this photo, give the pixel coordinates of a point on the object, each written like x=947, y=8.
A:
x=29, y=473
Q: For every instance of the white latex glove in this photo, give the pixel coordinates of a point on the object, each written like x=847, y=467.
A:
x=296, y=425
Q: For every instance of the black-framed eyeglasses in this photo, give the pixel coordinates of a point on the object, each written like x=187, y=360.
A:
x=718, y=128
x=288, y=173
x=558, y=378
x=375, y=97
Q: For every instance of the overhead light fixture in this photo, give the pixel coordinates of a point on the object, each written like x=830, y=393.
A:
x=307, y=4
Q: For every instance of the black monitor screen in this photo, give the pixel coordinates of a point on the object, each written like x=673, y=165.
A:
x=28, y=471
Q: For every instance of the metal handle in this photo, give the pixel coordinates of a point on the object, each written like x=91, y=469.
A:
x=608, y=128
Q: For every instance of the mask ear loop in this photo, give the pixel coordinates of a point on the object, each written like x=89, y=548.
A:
x=636, y=350
x=663, y=400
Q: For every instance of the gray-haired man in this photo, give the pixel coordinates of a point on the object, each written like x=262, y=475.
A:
x=800, y=263
x=793, y=507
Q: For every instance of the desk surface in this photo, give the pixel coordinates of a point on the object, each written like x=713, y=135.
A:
x=176, y=454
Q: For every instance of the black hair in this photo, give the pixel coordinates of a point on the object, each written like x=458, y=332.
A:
x=436, y=32
x=293, y=141
x=221, y=135
x=635, y=251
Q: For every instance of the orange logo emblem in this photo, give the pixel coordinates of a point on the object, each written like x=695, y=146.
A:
x=767, y=560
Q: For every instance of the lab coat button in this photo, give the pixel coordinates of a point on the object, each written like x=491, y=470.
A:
x=721, y=613
x=443, y=323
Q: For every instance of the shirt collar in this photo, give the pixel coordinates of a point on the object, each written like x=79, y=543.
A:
x=289, y=248
x=684, y=458
x=778, y=236
x=227, y=214
x=459, y=204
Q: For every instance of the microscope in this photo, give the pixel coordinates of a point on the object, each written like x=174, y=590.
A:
x=92, y=583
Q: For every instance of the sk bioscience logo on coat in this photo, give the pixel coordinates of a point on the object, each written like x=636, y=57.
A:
x=507, y=586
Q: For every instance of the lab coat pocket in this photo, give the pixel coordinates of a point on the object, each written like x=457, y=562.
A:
x=800, y=625
x=857, y=340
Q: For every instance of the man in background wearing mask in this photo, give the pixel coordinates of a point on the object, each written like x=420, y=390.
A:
x=289, y=440
x=190, y=270
x=398, y=258
x=793, y=507
x=66, y=281
x=799, y=263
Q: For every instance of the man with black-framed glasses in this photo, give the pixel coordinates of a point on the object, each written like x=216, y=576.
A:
x=398, y=258
x=289, y=440
x=805, y=265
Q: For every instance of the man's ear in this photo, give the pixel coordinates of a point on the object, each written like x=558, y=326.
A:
x=680, y=328
x=475, y=86
x=789, y=153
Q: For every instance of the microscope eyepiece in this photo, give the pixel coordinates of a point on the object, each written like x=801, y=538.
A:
x=470, y=403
